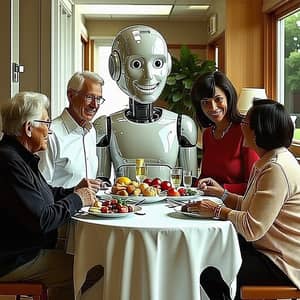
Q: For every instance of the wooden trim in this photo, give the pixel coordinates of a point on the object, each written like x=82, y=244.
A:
x=88, y=55
x=286, y=8
x=217, y=42
x=270, y=55
x=270, y=45
x=191, y=46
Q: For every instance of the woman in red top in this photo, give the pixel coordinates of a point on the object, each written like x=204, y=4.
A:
x=225, y=159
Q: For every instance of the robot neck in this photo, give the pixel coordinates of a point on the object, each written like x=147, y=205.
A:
x=142, y=113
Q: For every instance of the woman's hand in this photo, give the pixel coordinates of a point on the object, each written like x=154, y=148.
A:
x=88, y=196
x=205, y=208
x=93, y=184
x=210, y=187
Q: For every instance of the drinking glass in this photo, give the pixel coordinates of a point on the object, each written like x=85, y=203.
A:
x=176, y=177
x=140, y=170
x=187, y=178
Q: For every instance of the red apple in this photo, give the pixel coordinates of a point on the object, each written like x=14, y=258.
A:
x=148, y=181
x=165, y=185
x=156, y=182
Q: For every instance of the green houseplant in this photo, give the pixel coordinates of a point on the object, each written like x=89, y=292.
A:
x=179, y=83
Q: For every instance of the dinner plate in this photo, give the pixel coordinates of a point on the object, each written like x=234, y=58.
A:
x=148, y=199
x=114, y=215
x=189, y=214
x=186, y=198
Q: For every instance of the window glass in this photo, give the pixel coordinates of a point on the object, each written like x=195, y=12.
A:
x=288, y=81
x=115, y=99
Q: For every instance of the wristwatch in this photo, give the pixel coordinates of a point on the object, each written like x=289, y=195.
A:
x=225, y=195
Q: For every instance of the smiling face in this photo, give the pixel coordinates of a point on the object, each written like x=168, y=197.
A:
x=215, y=108
x=81, y=108
x=145, y=64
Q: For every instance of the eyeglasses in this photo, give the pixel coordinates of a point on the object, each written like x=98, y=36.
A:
x=90, y=98
x=45, y=122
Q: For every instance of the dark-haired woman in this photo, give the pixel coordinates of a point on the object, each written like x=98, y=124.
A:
x=267, y=218
x=225, y=158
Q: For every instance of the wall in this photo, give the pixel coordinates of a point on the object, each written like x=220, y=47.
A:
x=244, y=43
x=5, y=74
x=35, y=45
x=218, y=7
x=174, y=32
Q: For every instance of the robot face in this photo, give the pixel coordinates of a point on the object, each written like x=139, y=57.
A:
x=145, y=64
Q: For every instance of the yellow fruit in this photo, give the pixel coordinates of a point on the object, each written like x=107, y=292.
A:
x=123, y=180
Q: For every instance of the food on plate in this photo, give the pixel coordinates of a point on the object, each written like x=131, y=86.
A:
x=185, y=207
x=147, y=180
x=173, y=192
x=156, y=182
x=151, y=191
x=165, y=185
x=112, y=206
x=122, y=193
x=133, y=188
x=123, y=180
x=130, y=188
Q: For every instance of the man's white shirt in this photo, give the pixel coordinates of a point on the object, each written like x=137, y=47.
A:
x=71, y=153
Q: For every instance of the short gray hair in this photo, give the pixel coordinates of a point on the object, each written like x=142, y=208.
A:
x=23, y=107
x=77, y=80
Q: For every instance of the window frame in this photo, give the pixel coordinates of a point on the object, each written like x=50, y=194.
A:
x=270, y=51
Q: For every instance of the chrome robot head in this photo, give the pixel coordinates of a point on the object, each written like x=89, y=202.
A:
x=140, y=63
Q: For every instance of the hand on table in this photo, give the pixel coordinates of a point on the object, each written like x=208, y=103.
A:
x=210, y=187
x=205, y=208
x=88, y=196
x=92, y=184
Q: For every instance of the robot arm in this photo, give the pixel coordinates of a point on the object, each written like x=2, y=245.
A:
x=103, y=130
x=187, y=137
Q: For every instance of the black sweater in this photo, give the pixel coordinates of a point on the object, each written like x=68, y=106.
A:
x=31, y=210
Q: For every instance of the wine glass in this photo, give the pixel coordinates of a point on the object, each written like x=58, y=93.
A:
x=187, y=178
x=176, y=177
x=140, y=170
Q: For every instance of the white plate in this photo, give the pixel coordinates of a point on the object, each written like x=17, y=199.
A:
x=114, y=215
x=148, y=199
x=189, y=214
x=185, y=198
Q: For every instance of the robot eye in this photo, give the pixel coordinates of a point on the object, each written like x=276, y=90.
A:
x=136, y=64
x=158, y=63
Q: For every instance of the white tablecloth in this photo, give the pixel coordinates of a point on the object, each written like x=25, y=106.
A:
x=158, y=256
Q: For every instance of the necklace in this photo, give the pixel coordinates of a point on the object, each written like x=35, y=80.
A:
x=223, y=132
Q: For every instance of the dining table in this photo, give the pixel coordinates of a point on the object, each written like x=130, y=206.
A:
x=157, y=254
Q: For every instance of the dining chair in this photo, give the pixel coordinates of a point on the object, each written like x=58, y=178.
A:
x=269, y=292
x=35, y=290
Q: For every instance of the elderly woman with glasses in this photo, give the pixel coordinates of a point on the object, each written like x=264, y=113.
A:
x=31, y=210
x=267, y=217
x=71, y=153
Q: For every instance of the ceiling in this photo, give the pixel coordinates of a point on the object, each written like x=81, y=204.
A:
x=180, y=11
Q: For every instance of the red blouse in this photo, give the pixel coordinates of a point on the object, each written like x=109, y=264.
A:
x=226, y=160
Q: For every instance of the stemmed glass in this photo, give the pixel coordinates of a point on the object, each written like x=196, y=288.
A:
x=187, y=178
x=140, y=170
x=176, y=177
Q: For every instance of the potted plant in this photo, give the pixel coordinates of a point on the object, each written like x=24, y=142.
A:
x=180, y=81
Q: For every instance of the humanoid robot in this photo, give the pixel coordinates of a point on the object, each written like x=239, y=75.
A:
x=140, y=63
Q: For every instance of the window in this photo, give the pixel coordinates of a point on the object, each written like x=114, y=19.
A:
x=288, y=79
x=61, y=67
x=115, y=99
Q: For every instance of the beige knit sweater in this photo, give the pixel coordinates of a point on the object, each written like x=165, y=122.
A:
x=269, y=212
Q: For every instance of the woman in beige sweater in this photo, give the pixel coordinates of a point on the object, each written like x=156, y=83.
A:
x=267, y=217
